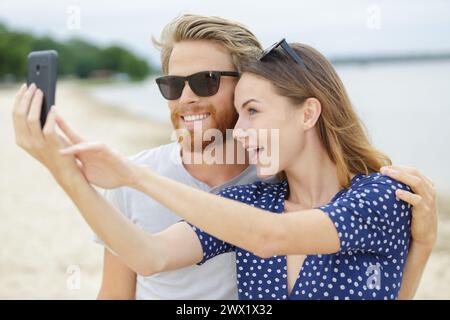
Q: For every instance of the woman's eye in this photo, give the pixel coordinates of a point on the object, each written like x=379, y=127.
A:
x=251, y=111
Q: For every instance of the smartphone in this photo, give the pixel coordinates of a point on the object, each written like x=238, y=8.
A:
x=43, y=71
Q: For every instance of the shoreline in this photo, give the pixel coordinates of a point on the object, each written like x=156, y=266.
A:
x=132, y=132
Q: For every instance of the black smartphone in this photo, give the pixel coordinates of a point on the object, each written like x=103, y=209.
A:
x=43, y=72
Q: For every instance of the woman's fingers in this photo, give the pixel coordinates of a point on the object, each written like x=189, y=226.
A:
x=34, y=116
x=68, y=131
x=24, y=105
x=20, y=110
x=49, y=130
x=79, y=164
x=19, y=97
x=81, y=148
x=64, y=140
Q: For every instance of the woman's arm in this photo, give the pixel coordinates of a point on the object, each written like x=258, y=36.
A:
x=144, y=253
x=255, y=230
x=247, y=227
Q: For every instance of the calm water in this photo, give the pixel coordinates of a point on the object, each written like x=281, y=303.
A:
x=405, y=107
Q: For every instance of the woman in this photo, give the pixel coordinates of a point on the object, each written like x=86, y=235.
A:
x=333, y=228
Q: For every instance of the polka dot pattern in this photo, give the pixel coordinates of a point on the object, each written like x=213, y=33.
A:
x=374, y=231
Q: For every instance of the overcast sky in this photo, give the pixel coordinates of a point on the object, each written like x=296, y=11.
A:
x=336, y=28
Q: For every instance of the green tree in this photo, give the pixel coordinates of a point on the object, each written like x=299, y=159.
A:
x=76, y=56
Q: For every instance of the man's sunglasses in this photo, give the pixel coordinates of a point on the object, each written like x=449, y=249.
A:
x=287, y=48
x=203, y=84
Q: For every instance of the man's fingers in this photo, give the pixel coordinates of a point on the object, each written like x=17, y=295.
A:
x=68, y=131
x=429, y=181
x=419, y=183
x=410, y=170
x=409, y=197
x=400, y=175
x=33, y=118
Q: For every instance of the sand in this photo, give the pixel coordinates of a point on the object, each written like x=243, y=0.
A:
x=46, y=248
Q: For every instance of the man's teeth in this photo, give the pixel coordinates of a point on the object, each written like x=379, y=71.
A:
x=196, y=117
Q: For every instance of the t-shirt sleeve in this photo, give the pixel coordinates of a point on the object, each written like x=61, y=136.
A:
x=211, y=245
x=370, y=218
x=115, y=198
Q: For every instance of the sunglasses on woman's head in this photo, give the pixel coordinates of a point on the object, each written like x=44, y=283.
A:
x=287, y=48
x=203, y=84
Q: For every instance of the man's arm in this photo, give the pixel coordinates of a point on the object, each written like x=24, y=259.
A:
x=119, y=281
x=412, y=274
x=423, y=226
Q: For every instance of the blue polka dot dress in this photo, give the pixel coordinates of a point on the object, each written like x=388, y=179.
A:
x=374, y=231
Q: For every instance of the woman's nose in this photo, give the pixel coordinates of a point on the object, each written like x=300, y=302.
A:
x=240, y=130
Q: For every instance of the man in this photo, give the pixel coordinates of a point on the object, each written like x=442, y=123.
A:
x=189, y=45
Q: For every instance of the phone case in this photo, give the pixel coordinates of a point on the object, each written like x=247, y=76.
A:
x=42, y=71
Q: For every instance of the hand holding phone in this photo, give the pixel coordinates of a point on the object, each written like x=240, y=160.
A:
x=43, y=71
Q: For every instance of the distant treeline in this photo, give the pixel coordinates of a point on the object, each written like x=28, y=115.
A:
x=76, y=57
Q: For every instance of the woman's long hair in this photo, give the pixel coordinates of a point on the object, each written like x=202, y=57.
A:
x=339, y=128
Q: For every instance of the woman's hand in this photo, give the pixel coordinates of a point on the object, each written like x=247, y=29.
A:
x=41, y=143
x=423, y=200
x=101, y=165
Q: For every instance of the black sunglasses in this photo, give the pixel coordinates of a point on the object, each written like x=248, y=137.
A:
x=203, y=84
x=287, y=48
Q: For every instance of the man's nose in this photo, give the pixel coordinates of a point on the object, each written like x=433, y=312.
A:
x=187, y=95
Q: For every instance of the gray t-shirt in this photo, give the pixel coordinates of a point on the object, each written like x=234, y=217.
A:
x=216, y=279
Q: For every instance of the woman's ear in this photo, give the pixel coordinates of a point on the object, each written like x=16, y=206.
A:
x=311, y=110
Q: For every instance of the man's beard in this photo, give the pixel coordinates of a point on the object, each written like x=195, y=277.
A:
x=194, y=141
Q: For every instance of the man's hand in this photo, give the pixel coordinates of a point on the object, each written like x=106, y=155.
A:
x=423, y=200
x=42, y=144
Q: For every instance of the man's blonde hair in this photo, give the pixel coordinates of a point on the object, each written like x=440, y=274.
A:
x=235, y=37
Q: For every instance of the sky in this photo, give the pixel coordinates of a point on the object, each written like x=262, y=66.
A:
x=336, y=28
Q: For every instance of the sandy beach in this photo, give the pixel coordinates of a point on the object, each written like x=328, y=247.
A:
x=44, y=238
